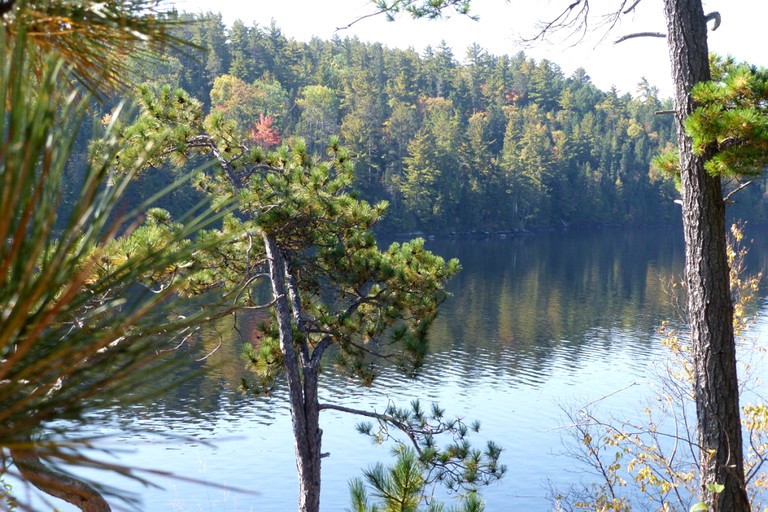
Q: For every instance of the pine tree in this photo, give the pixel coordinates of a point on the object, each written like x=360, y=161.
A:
x=78, y=330
x=298, y=224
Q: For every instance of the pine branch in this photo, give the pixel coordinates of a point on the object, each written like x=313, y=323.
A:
x=457, y=465
x=361, y=18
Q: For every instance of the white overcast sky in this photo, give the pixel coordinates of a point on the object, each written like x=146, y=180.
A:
x=743, y=32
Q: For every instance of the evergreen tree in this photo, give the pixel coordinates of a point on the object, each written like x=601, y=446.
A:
x=79, y=332
x=331, y=285
x=374, y=96
x=319, y=115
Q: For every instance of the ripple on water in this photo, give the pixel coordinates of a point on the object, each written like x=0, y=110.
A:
x=519, y=340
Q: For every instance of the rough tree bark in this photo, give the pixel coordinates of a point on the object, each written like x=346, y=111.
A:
x=710, y=310
x=301, y=373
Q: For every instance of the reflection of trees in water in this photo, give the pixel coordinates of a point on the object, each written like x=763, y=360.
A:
x=521, y=306
x=208, y=373
x=207, y=381
x=527, y=300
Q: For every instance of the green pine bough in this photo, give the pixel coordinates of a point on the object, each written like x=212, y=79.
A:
x=729, y=123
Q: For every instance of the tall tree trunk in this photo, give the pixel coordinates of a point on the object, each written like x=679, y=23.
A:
x=301, y=375
x=710, y=309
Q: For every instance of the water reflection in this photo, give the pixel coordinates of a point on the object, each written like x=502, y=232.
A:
x=533, y=322
x=561, y=296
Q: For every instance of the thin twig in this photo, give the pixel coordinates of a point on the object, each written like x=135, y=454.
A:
x=361, y=18
x=632, y=384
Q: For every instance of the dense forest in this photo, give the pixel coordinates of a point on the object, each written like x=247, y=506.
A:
x=484, y=143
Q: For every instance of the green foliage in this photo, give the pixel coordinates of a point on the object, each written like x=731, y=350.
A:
x=368, y=302
x=78, y=330
x=427, y=133
x=98, y=40
x=430, y=9
x=402, y=488
x=298, y=223
x=319, y=114
x=457, y=465
x=730, y=119
x=730, y=122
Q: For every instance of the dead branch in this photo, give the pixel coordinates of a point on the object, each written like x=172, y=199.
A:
x=714, y=15
x=639, y=34
x=569, y=18
x=361, y=18
x=727, y=199
x=631, y=7
x=575, y=17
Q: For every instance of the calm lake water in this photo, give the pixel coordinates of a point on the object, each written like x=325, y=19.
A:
x=535, y=323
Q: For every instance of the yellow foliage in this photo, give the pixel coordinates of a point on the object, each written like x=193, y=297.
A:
x=660, y=475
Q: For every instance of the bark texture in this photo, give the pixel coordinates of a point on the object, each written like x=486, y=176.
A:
x=710, y=309
x=301, y=373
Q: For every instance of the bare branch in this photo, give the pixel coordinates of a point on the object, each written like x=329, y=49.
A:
x=612, y=393
x=639, y=34
x=576, y=17
x=55, y=483
x=727, y=199
x=613, y=18
x=296, y=308
x=361, y=18
x=714, y=15
x=319, y=350
x=207, y=141
x=631, y=7
x=385, y=418
x=569, y=18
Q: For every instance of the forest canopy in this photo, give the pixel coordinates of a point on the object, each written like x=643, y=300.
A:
x=454, y=143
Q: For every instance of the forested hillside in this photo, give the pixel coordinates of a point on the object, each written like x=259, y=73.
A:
x=455, y=143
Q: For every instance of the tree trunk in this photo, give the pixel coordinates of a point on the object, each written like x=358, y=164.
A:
x=301, y=374
x=308, y=458
x=710, y=310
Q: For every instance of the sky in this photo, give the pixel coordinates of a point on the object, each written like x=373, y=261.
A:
x=503, y=24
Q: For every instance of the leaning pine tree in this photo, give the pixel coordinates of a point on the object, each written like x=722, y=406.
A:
x=300, y=228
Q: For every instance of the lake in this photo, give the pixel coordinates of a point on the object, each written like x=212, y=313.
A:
x=536, y=323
